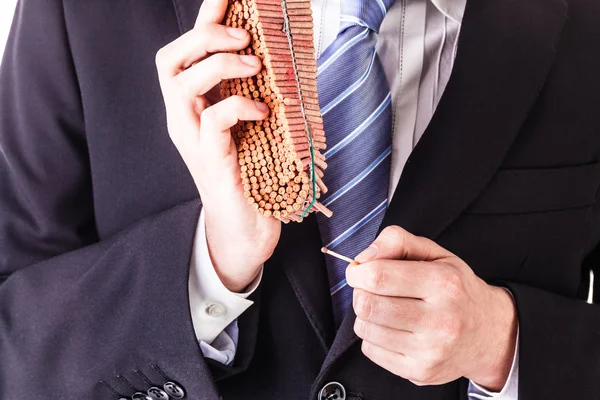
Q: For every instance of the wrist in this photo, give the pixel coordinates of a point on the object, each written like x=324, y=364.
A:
x=498, y=342
x=235, y=274
x=239, y=242
x=237, y=284
x=234, y=264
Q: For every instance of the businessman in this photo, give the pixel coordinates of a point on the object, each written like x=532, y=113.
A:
x=463, y=172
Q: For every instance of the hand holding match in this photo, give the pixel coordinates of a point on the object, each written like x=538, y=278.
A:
x=425, y=316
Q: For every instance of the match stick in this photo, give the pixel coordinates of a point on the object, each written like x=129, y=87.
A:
x=336, y=255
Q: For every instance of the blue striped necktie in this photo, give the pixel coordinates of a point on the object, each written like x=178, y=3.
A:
x=355, y=102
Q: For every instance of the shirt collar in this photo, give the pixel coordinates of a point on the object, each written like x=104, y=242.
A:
x=453, y=9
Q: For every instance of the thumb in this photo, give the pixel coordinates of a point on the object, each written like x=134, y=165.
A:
x=395, y=243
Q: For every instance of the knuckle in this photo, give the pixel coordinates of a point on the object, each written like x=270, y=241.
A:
x=208, y=116
x=365, y=306
x=238, y=102
x=362, y=329
x=223, y=64
x=425, y=375
x=449, y=327
x=161, y=57
x=358, y=327
x=182, y=90
x=201, y=103
x=436, y=354
x=450, y=283
x=219, y=60
x=393, y=230
x=397, y=368
x=453, y=327
x=158, y=57
x=360, y=306
x=417, y=383
x=454, y=288
x=177, y=87
x=375, y=277
x=235, y=105
x=396, y=233
x=367, y=349
x=398, y=238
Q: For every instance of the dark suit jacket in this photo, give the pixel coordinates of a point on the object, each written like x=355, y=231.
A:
x=98, y=211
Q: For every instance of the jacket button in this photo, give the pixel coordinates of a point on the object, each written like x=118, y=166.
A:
x=174, y=390
x=140, y=396
x=157, y=394
x=332, y=391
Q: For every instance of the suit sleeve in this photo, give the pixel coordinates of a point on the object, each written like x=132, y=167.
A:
x=76, y=312
x=46, y=205
x=559, y=339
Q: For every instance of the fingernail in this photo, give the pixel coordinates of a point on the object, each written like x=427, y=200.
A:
x=250, y=60
x=261, y=106
x=368, y=254
x=237, y=33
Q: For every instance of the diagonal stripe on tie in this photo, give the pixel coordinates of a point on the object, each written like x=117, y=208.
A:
x=351, y=89
x=336, y=195
x=329, y=60
x=338, y=287
x=361, y=128
x=353, y=20
x=364, y=220
x=355, y=103
x=345, y=208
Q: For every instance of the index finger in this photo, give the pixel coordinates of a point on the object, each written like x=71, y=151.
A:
x=212, y=11
x=396, y=243
x=411, y=279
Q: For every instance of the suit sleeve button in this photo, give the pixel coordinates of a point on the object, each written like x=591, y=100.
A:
x=157, y=393
x=140, y=396
x=332, y=391
x=174, y=390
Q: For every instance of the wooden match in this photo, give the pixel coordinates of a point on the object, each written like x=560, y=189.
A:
x=337, y=255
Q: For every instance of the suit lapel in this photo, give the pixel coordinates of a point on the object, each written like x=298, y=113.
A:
x=298, y=252
x=505, y=52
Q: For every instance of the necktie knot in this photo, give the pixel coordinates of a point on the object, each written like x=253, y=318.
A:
x=367, y=13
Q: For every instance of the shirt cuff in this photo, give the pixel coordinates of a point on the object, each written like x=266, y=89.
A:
x=213, y=306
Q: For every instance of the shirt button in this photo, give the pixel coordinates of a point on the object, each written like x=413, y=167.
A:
x=332, y=391
x=215, y=309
